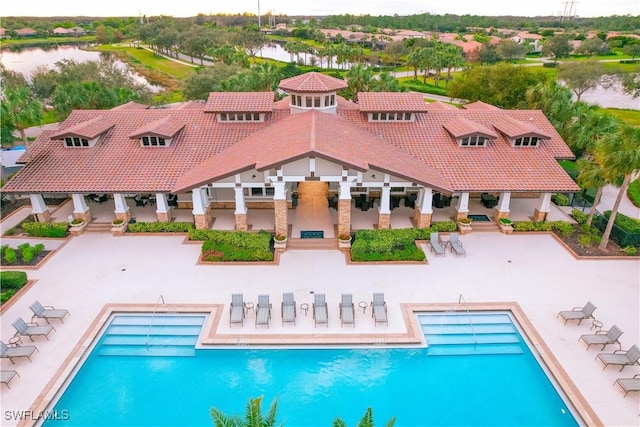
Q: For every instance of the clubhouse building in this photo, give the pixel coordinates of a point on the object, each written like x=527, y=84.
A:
x=242, y=151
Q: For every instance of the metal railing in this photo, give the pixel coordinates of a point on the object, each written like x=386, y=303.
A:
x=473, y=330
x=153, y=316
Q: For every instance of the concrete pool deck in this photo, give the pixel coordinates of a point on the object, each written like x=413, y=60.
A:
x=96, y=269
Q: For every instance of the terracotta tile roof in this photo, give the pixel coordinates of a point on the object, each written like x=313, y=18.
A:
x=459, y=127
x=165, y=127
x=89, y=129
x=243, y=102
x=190, y=105
x=479, y=105
x=316, y=134
x=131, y=105
x=312, y=82
x=391, y=101
x=439, y=105
x=514, y=128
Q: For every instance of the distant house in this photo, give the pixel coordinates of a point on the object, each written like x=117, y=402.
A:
x=26, y=32
x=74, y=31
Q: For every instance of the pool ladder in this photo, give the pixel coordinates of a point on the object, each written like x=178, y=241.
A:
x=153, y=316
x=473, y=331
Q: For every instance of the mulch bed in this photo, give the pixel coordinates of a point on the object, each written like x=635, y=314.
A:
x=612, y=249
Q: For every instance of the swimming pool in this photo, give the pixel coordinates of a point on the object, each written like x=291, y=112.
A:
x=500, y=384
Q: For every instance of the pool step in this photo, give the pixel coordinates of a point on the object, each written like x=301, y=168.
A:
x=148, y=335
x=467, y=334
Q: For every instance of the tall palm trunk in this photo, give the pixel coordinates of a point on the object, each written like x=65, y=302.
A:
x=614, y=212
x=596, y=201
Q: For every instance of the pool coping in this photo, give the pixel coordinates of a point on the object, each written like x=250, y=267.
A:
x=413, y=336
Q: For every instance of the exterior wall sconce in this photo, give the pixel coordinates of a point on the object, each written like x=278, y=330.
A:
x=253, y=177
x=373, y=176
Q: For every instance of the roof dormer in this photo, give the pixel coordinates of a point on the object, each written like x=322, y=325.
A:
x=391, y=106
x=521, y=134
x=85, y=134
x=232, y=107
x=469, y=133
x=159, y=133
x=312, y=91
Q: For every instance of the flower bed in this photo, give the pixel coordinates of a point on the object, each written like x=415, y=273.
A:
x=221, y=246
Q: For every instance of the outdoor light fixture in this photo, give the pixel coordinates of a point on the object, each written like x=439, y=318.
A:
x=373, y=176
x=253, y=177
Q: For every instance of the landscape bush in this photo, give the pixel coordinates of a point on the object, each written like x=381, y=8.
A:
x=580, y=217
x=234, y=245
x=10, y=283
x=386, y=245
x=560, y=199
x=631, y=250
x=23, y=254
x=633, y=191
x=626, y=223
x=45, y=229
x=160, y=227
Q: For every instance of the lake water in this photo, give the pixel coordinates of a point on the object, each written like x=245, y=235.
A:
x=610, y=98
x=26, y=60
x=277, y=52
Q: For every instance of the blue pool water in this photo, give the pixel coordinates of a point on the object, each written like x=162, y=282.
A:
x=471, y=376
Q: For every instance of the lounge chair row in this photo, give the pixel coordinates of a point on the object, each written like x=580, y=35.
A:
x=622, y=358
x=438, y=244
x=288, y=310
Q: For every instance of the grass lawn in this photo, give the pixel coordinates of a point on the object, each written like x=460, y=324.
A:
x=631, y=117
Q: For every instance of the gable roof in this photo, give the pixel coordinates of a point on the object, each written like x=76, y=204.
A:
x=242, y=102
x=479, y=105
x=391, y=101
x=312, y=82
x=165, y=127
x=459, y=127
x=514, y=128
x=89, y=129
x=312, y=134
x=439, y=105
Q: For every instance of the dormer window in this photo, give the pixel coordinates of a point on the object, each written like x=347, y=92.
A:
x=241, y=117
x=75, y=142
x=390, y=117
x=473, y=141
x=526, y=141
x=154, y=141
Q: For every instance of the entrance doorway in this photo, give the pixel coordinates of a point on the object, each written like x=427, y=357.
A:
x=312, y=212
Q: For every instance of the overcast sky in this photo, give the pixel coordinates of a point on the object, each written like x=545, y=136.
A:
x=317, y=7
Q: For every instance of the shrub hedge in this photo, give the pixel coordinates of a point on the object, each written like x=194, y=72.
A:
x=633, y=191
x=562, y=227
x=45, y=229
x=160, y=227
x=10, y=283
x=560, y=199
x=24, y=254
x=625, y=231
x=234, y=245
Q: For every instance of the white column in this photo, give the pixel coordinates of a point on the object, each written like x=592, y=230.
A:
x=79, y=204
x=544, y=202
x=425, y=200
x=385, y=198
x=505, y=200
x=200, y=202
x=37, y=203
x=463, y=203
x=161, y=203
x=345, y=190
x=280, y=191
x=121, y=203
x=240, y=205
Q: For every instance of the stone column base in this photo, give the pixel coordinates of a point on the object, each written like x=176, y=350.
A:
x=281, y=221
x=85, y=216
x=538, y=215
x=201, y=221
x=460, y=215
x=125, y=216
x=344, y=216
x=241, y=222
x=422, y=220
x=43, y=216
x=164, y=216
x=384, y=221
x=497, y=215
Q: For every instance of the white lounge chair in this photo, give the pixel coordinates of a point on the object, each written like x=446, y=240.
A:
x=379, y=309
x=47, y=312
x=32, y=329
x=236, y=310
x=347, y=311
x=603, y=338
x=621, y=358
x=10, y=353
x=456, y=245
x=6, y=376
x=288, y=308
x=436, y=246
x=578, y=313
x=263, y=311
x=320, y=314
x=629, y=384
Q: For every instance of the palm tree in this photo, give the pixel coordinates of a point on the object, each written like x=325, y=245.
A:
x=592, y=125
x=22, y=110
x=359, y=79
x=365, y=421
x=253, y=416
x=591, y=175
x=620, y=158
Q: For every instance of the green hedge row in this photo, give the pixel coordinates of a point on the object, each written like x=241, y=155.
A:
x=563, y=227
x=234, y=245
x=625, y=231
x=24, y=254
x=160, y=227
x=45, y=229
x=10, y=283
x=633, y=191
x=626, y=223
